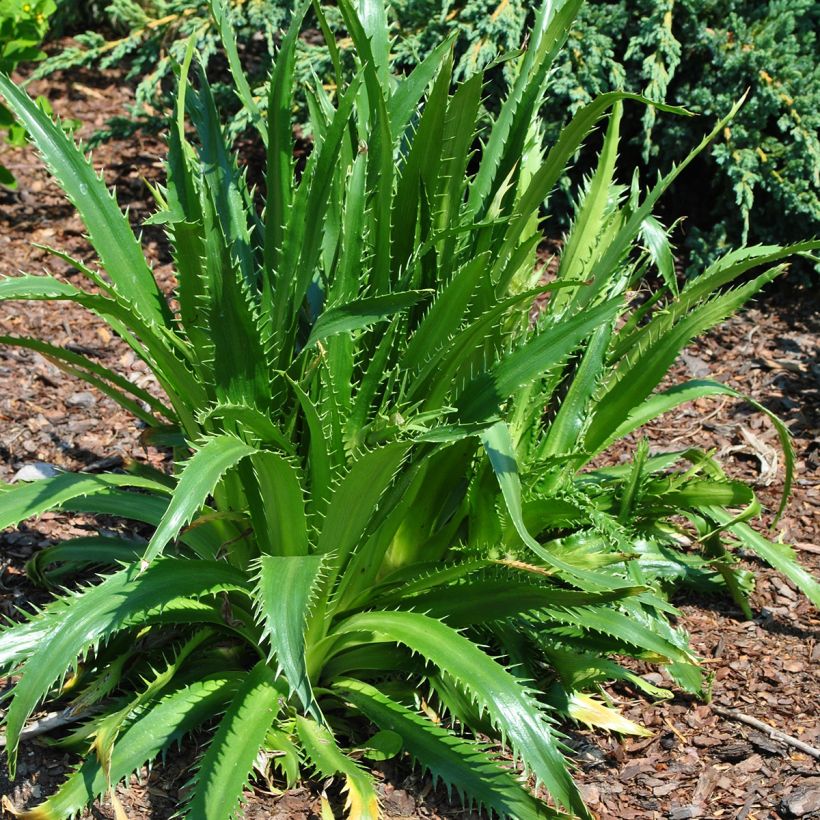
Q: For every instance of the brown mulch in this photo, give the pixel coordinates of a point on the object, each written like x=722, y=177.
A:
x=696, y=764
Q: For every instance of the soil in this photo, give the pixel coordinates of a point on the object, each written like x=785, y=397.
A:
x=696, y=764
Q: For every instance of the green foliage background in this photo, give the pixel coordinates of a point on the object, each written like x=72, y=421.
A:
x=23, y=24
x=760, y=181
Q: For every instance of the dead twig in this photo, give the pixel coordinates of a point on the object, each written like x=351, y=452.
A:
x=774, y=734
x=47, y=723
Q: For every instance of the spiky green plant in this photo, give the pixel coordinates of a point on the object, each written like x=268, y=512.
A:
x=382, y=513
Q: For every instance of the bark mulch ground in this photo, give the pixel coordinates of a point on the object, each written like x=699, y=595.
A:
x=697, y=764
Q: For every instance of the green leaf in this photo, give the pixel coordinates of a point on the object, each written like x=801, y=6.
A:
x=281, y=524
x=459, y=763
x=780, y=556
x=660, y=403
x=362, y=313
x=224, y=771
x=26, y=500
x=243, y=89
x=154, y=730
x=559, y=155
x=548, y=35
x=108, y=727
x=212, y=459
x=578, y=253
x=511, y=706
x=637, y=375
x=477, y=602
x=163, y=347
x=446, y=313
x=284, y=591
x=112, y=384
x=279, y=159
x=86, y=619
x=361, y=802
x=499, y=448
x=657, y=244
x=205, y=539
x=244, y=419
x=484, y=394
x=321, y=467
x=624, y=628
x=384, y=745
x=404, y=99
x=80, y=552
x=108, y=229
x=353, y=503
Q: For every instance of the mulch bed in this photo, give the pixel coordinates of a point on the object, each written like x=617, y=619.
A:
x=696, y=764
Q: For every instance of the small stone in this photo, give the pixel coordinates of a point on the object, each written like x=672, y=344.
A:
x=35, y=471
x=81, y=399
x=36, y=791
x=686, y=813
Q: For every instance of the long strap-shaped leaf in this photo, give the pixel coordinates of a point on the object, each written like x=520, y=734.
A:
x=501, y=453
x=205, y=539
x=549, y=33
x=779, y=556
x=279, y=521
x=97, y=613
x=618, y=247
x=224, y=770
x=660, y=403
x=163, y=350
x=510, y=705
x=483, y=396
x=80, y=552
x=361, y=802
x=556, y=160
x=212, y=460
x=26, y=500
x=112, y=384
x=108, y=229
x=481, y=601
x=461, y=764
x=279, y=177
x=363, y=313
x=303, y=239
x=284, y=591
x=352, y=506
x=725, y=270
x=243, y=89
x=636, y=376
x=155, y=729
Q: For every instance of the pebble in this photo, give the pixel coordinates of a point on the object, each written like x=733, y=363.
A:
x=82, y=399
x=35, y=471
x=686, y=813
